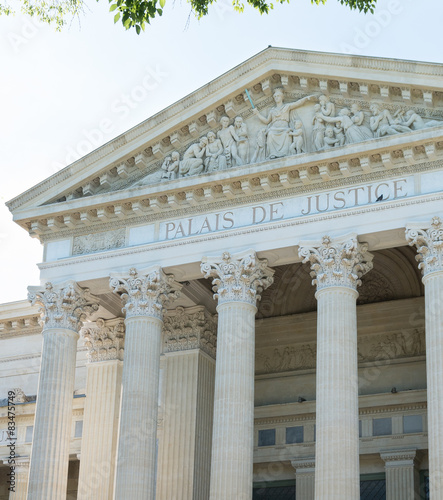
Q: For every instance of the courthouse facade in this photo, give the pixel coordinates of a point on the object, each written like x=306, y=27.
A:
x=241, y=297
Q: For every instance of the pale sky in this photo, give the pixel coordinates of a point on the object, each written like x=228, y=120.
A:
x=60, y=89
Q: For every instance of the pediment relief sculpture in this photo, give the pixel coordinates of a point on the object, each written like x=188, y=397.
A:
x=306, y=125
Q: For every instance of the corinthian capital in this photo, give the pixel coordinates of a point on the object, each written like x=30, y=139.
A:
x=190, y=328
x=238, y=278
x=429, y=242
x=104, y=339
x=63, y=306
x=337, y=262
x=145, y=294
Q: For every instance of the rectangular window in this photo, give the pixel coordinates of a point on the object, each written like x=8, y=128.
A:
x=381, y=427
x=412, y=423
x=266, y=437
x=29, y=432
x=78, y=429
x=360, y=428
x=294, y=435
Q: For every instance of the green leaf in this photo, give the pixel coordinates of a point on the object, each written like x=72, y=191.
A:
x=116, y=17
x=113, y=7
x=137, y=29
x=162, y=3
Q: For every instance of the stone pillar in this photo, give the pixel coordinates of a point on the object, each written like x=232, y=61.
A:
x=185, y=432
x=238, y=281
x=143, y=295
x=21, y=479
x=63, y=311
x=105, y=343
x=304, y=478
x=337, y=266
x=428, y=238
x=402, y=475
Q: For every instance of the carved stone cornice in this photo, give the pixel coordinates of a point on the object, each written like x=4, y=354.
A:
x=190, y=328
x=429, y=242
x=238, y=278
x=308, y=172
x=304, y=465
x=104, y=339
x=399, y=457
x=65, y=305
x=147, y=293
x=337, y=262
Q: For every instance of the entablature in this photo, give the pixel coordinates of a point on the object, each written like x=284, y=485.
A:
x=301, y=174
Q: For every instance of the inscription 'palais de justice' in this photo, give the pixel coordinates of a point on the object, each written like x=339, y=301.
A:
x=287, y=209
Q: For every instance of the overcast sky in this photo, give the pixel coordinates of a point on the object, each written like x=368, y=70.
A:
x=59, y=89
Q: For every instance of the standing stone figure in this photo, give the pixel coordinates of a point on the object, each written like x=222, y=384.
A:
x=241, y=131
x=215, y=159
x=229, y=139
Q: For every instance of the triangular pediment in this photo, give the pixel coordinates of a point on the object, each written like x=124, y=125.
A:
x=281, y=107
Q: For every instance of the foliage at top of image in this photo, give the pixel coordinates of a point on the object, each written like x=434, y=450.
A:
x=137, y=13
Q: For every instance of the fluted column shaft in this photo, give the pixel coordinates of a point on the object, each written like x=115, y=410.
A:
x=48, y=478
x=104, y=341
x=138, y=418
x=143, y=297
x=233, y=436
x=337, y=266
x=100, y=429
x=337, y=439
x=304, y=478
x=428, y=239
x=434, y=372
x=187, y=405
x=62, y=311
x=402, y=475
x=237, y=280
x=21, y=479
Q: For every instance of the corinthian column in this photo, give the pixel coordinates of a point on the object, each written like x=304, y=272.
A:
x=337, y=266
x=185, y=432
x=143, y=295
x=63, y=310
x=428, y=238
x=238, y=282
x=105, y=343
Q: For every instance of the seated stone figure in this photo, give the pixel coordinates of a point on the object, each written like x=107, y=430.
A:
x=192, y=163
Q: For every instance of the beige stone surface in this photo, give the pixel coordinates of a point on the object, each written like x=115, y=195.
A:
x=48, y=475
x=100, y=430
x=136, y=462
x=402, y=474
x=184, y=462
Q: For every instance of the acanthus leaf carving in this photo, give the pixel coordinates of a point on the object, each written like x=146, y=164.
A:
x=146, y=294
x=429, y=243
x=238, y=278
x=337, y=262
x=104, y=339
x=63, y=306
x=186, y=329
